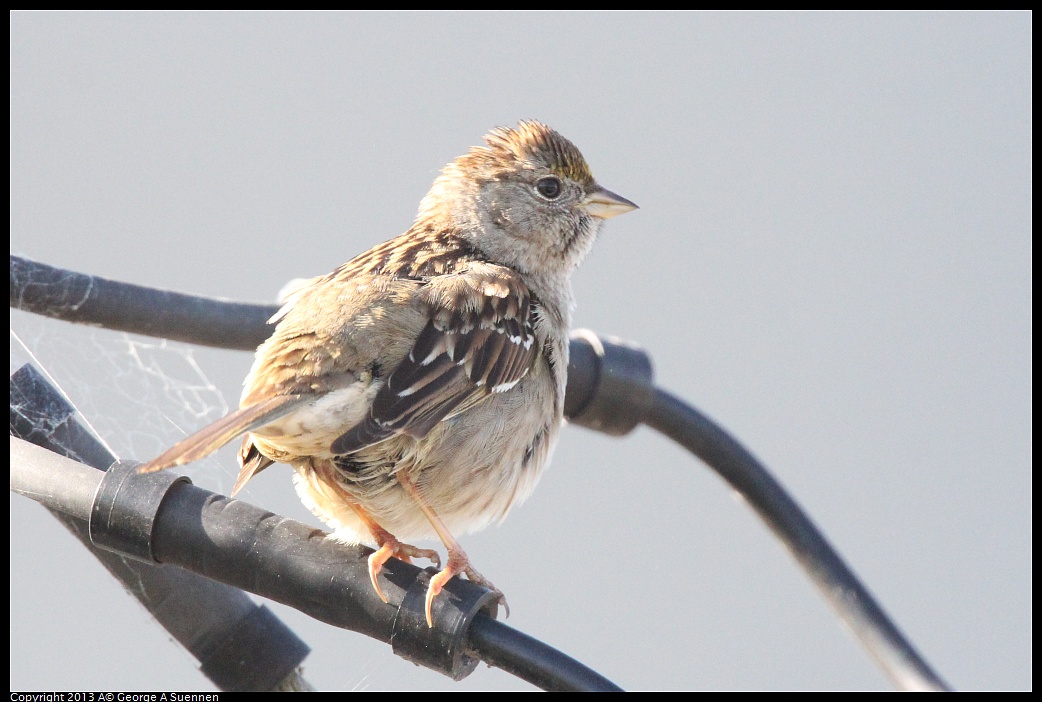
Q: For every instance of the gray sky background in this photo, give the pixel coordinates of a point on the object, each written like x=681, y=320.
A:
x=832, y=258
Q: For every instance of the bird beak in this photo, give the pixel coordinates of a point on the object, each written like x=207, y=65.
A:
x=605, y=204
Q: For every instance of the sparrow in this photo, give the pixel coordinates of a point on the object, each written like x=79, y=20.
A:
x=418, y=389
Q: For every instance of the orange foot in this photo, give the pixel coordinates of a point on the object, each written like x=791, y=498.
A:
x=324, y=480
x=390, y=547
x=459, y=563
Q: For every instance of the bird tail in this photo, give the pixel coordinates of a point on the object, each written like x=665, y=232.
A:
x=210, y=438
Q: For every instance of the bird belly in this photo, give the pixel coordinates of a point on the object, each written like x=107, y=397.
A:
x=469, y=472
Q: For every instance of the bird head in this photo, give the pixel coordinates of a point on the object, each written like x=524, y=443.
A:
x=527, y=199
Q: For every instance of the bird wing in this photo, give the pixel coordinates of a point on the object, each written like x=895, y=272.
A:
x=479, y=340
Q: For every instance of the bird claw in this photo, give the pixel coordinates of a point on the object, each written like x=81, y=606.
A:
x=459, y=564
x=393, y=548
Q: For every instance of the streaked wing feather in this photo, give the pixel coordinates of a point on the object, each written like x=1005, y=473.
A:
x=457, y=360
x=485, y=357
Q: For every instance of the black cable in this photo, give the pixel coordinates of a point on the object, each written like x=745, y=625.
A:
x=90, y=299
x=160, y=517
x=546, y=667
x=851, y=600
x=293, y=563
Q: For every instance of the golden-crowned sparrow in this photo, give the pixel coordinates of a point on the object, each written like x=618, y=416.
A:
x=419, y=388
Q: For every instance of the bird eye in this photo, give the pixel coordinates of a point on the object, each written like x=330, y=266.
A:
x=549, y=187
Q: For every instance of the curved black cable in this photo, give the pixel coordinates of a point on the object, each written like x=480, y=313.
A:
x=91, y=299
x=854, y=604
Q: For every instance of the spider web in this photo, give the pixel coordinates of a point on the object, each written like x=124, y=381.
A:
x=138, y=395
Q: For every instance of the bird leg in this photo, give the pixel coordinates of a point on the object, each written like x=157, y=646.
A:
x=388, y=546
x=458, y=561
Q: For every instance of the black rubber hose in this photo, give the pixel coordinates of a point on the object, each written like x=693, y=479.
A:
x=850, y=599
